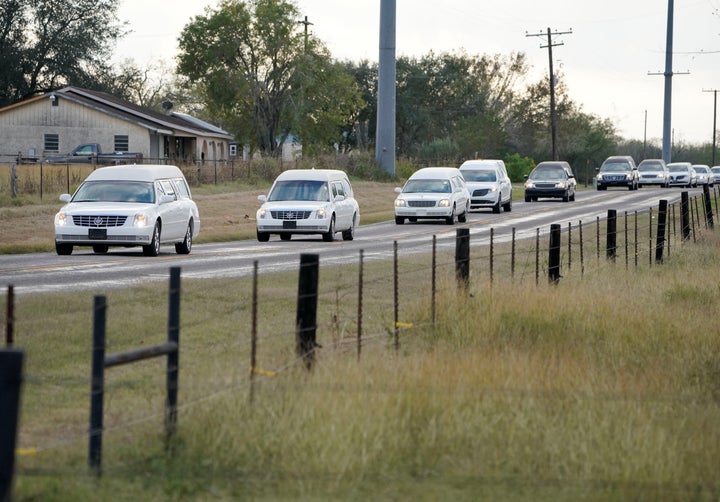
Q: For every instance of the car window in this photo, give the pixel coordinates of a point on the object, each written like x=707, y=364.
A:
x=338, y=188
x=650, y=167
x=616, y=167
x=115, y=191
x=347, y=188
x=701, y=169
x=182, y=188
x=427, y=186
x=548, y=174
x=310, y=190
x=677, y=168
x=167, y=187
x=487, y=175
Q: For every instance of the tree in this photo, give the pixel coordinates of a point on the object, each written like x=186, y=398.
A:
x=264, y=78
x=46, y=44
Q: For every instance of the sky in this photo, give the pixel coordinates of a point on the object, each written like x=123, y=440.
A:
x=608, y=62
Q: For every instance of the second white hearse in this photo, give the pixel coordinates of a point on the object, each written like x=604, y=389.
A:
x=130, y=205
x=308, y=201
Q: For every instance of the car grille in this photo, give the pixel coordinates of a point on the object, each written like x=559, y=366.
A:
x=649, y=176
x=621, y=177
x=421, y=203
x=99, y=221
x=290, y=215
x=544, y=185
x=480, y=192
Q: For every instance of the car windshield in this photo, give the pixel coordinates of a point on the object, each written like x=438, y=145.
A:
x=427, y=186
x=115, y=191
x=715, y=170
x=615, y=167
x=479, y=175
x=554, y=173
x=703, y=170
x=677, y=168
x=650, y=167
x=309, y=190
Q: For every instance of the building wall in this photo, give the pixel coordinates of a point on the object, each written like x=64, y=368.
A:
x=23, y=129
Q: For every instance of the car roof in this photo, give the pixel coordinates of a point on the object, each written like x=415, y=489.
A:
x=475, y=163
x=435, y=172
x=312, y=174
x=553, y=163
x=135, y=172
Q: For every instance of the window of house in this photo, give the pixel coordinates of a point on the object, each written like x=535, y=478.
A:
x=52, y=143
x=122, y=143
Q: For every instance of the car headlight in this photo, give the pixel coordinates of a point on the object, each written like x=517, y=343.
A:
x=562, y=184
x=599, y=177
x=529, y=184
x=494, y=189
x=321, y=214
x=261, y=214
x=628, y=176
x=399, y=202
x=444, y=203
x=61, y=219
x=140, y=220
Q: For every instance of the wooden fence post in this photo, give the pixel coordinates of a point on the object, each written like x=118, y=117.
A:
x=554, y=254
x=685, y=216
x=10, y=317
x=306, y=317
x=660, y=242
x=462, y=257
x=97, y=380
x=611, y=235
x=11, y=362
x=708, y=207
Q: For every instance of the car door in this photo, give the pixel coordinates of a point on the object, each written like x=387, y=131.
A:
x=505, y=186
x=343, y=208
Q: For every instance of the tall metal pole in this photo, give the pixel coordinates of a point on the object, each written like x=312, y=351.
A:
x=714, y=133
x=385, y=131
x=667, y=127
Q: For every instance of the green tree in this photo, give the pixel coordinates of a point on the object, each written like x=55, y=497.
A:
x=46, y=44
x=263, y=77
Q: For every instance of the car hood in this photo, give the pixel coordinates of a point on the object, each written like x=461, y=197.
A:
x=105, y=207
x=308, y=205
x=474, y=185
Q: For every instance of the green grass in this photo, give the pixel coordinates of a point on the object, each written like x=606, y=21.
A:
x=606, y=386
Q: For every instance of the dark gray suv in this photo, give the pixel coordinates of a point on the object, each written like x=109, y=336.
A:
x=618, y=171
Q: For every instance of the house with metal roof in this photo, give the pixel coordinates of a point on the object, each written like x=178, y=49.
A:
x=57, y=122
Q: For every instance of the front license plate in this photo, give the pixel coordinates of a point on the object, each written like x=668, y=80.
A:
x=422, y=212
x=97, y=234
x=290, y=224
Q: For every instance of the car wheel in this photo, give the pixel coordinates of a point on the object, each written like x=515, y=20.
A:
x=285, y=237
x=496, y=207
x=153, y=249
x=528, y=198
x=63, y=249
x=450, y=220
x=566, y=197
x=349, y=234
x=263, y=236
x=399, y=220
x=508, y=206
x=462, y=218
x=185, y=246
x=100, y=248
x=329, y=236
x=572, y=197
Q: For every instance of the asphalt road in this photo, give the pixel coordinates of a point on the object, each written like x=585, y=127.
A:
x=124, y=267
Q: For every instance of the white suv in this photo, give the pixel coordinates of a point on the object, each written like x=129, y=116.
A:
x=433, y=193
x=308, y=201
x=134, y=205
x=488, y=183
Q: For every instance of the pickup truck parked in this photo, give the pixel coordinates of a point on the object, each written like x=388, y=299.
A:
x=91, y=153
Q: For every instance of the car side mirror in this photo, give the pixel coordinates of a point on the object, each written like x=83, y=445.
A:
x=262, y=198
x=398, y=190
x=164, y=199
x=339, y=198
x=65, y=197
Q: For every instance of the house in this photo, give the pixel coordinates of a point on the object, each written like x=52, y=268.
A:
x=57, y=122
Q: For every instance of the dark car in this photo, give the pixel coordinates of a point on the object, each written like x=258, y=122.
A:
x=553, y=179
x=618, y=171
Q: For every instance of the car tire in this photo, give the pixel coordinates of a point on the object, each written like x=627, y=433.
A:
x=63, y=249
x=349, y=234
x=329, y=236
x=572, y=197
x=462, y=218
x=508, y=206
x=153, y=249
x=100, y=248
x=285, y=237
x=399, y=220
x=450, y=220
x=566, y=197
x=496, y=207
x=185, y=246
x=528, y=198
x=263, y=236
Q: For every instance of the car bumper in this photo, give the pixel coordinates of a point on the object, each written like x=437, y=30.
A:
x=273, y=226
x=112, y=236
x=546, y=192
x=615, y=183
x=483, y=202
x=423, y=213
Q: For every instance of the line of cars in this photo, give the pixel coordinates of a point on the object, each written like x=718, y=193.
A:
x=621, y=171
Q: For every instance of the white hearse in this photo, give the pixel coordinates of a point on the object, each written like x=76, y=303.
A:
x=433, y=193
x=308, y=201
x=130, y=205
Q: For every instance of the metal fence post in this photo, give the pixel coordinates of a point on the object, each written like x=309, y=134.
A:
x=554, y=254
x=660, y=243
x=173, y=357
x=611, y=235
x=462, y=257
x=96, y=385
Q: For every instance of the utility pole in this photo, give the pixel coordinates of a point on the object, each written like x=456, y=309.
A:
x=306, y=23
x=385, y=131
x=553, y=119
x=714, y=91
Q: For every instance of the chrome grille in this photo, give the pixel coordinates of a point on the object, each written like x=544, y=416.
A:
x=99, y=221
x=480, y=192
x=421, y=203
x=290, y=215
x=545, y=185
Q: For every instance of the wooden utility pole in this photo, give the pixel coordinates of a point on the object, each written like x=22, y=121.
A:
x=714, y=134
x=549, y=46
